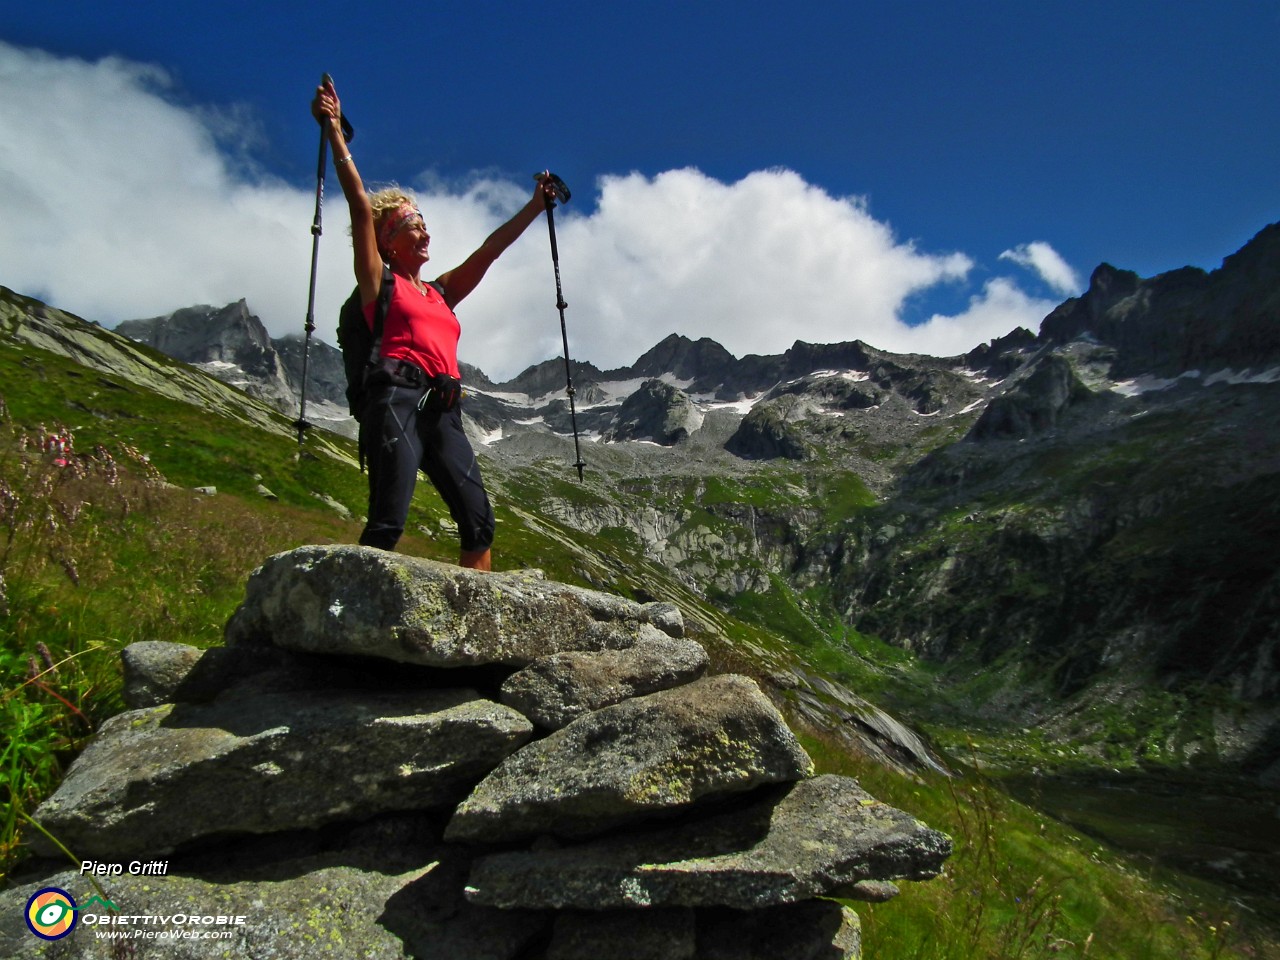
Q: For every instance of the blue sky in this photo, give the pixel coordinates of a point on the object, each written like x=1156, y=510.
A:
x=923, y=176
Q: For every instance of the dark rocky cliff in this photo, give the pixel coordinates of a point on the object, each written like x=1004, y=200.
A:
x=1185, y=319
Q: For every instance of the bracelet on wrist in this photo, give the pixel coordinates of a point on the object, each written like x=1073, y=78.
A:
x=341, y=160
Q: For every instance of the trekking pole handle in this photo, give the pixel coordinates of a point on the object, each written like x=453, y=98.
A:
x=562, y=189
x=348, y=131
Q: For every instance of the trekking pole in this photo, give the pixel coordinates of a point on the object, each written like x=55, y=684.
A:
x=563, y=192
x=348, y=132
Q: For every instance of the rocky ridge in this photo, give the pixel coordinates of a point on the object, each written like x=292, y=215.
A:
x=403, y=758
x=679, y=394
x=813, y=401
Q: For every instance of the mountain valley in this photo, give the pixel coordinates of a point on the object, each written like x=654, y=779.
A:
x=1057, y=555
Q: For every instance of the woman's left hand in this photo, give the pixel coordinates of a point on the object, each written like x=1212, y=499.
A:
x=326, y=106
x=545, y=191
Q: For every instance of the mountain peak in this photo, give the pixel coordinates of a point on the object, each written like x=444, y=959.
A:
x=232, y=344
x=700, y=360
x=1185, y=319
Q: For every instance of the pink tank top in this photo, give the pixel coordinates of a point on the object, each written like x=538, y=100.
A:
x=419, y=328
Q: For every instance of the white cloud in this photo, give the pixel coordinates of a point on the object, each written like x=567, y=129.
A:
x=120, y=203
x=1001, y=308
x=1048, y=263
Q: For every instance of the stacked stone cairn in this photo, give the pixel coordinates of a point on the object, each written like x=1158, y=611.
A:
x=392, y=757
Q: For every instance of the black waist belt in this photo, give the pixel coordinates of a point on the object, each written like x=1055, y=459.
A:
x=400, y=372
x=442, y=391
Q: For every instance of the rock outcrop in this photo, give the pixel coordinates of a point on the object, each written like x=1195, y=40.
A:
x=345, y=762
x=657, y=412
x=1035, y=405
x=766, y=434
x=231, y=344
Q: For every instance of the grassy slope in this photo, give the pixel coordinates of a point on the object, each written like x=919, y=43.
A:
x=101, y=556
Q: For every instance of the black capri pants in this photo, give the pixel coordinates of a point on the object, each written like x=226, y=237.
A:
x=400, y=433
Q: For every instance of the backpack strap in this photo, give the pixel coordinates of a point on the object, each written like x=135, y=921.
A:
x=380, y=314
x=375, y=344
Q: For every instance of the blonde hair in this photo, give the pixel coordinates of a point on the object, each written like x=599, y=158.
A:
x=386, y=202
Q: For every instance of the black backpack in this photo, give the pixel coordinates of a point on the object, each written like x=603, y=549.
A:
x=362, y=347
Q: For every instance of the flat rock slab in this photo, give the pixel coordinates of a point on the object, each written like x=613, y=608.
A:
x=554, y=691
x=359, y=600
x=158, y=777
x=641, y=758
x=816, y=838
